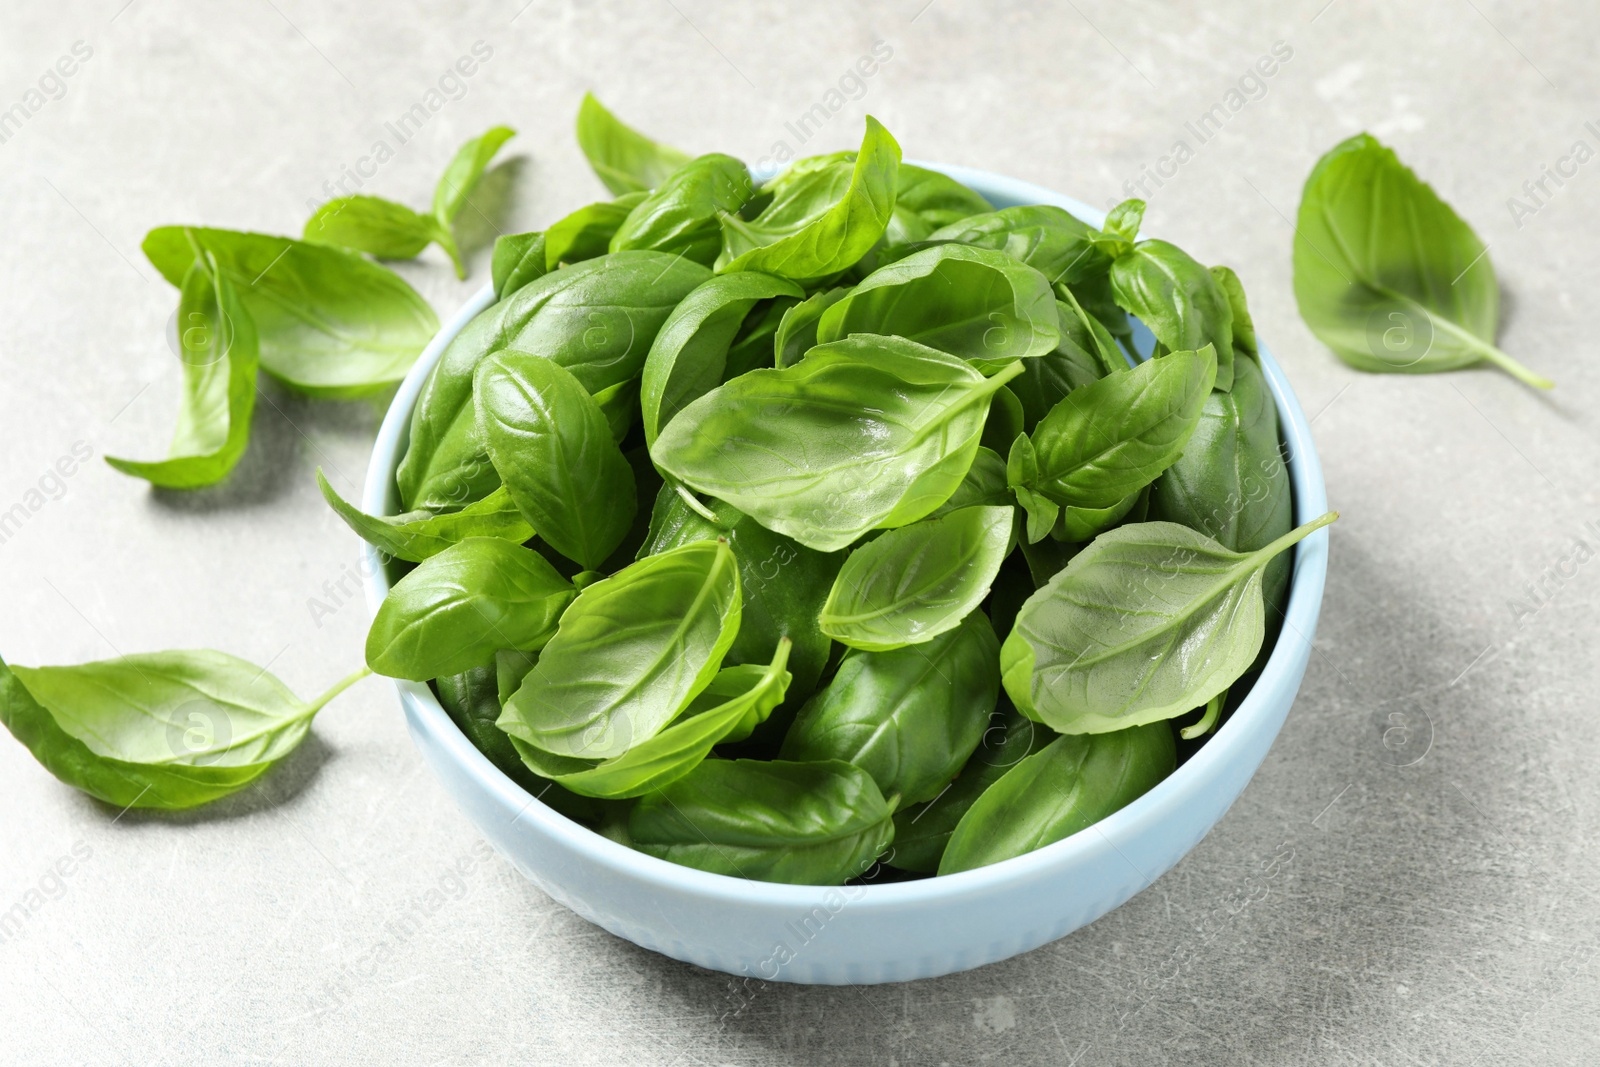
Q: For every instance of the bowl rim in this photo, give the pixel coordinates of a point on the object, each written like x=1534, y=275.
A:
x=1161, y=805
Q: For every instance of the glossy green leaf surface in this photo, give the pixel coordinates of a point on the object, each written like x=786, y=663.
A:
x=683, y=214
x=795, y=448
x=1178, y=299
x=518, y=259
x=626, y=160
x=1049, y=239
x=587, y=232
x=418, y=535
x=797, y=333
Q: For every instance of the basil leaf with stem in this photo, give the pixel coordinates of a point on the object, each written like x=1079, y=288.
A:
x=380, y=228
x=1149, y=621
x=682, y=214
x=1178, y=299
x=909, y=717
x=168, y=730
x=417, y=535
x=1388, y=275
x=459, y=605
x=922, y=831
x=1112, y=437
x=631, y=652
x=220, y=352
x=624, y=159
x=797, y=333
x=975, y=303
x=556, y=456
x=820, y=220
x=689, y=355
x=912, y=584
x=768, y=820
x=464, y=170
x=596, y=319
x=330, y=323
x=1070, y=784
x=795, y=449
x=676, y=750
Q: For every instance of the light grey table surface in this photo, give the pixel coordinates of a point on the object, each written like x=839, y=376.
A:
x=1432, y=900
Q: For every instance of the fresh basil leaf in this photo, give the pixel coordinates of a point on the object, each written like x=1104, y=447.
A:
x=330, y=323
x=1178, y=299
x=1231, y=483
x=624, y=159
x=587, y=232
x=925, y=200
x=678, y=749
x=732, y=683
x=913, y=584
x=1086, y=353
x=922, y=830
x=556, y=455
x=1112, y=437
x=459, y=605
x=1388, y=275
x=220, y=352
x=417, y=535
x=755, y=345
x=596, y=319
x=796, y=450
x=619, y=404
x=821, y=221
x=1122, y=227
x=1069, y=785
x=983, y=485
x=682, y=216
x=1149, y=621
x=630, y=654
x=511, y=666
x=378, y=227
x=461, y=176
x=518, y=260
x=797, y=333
x=689, y=356
x=167, y=730
x=1084, y=524
x=783, y=583
x=1244, y=327
x=772, y=821
x=909, y=717
x=1049, y=239
x=975, y=303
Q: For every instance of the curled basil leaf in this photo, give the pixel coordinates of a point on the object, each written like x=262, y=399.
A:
x=417, y=535
x=912, y=584
x=459, y=605
x=624, y=159
x=555, y=453
x=683, y=214
x=909, y=717
x=220, y=352
x=1178, y=299
x=1069, y=785
x=797, y=333
x=773, y=821
x=1149, y=621
x=380, y=228
x=630, y=654
x=795, y=449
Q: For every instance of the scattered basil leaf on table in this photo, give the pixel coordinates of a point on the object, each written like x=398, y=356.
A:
x=624, y=159
x=168, y=730
x=461, y=604
x=921, y=831
x=683, y=214
x=220, y=353
x=912, y=584
x=330, y=323
x=630, y=653
x=597, y=319
x=1388, y=275
x=1149, y=621
x=795, y=449
x=465, y=169
x=555, y=454
x=417, y=535
x=821, y=220
x=689, y=355
x=909, y=717
x=770, y=820
x=1070, y=784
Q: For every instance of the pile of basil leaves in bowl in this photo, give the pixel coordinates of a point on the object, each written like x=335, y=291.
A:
x=856, y=574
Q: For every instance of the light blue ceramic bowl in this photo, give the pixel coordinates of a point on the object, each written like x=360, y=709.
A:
x=881, y=933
